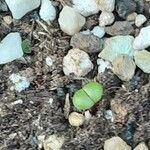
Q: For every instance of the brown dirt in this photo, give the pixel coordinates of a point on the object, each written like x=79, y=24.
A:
x=35, y=116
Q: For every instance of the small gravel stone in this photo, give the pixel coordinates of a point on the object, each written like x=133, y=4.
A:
x=124, y=67
x=120, y=28
x=3, y=6
x=70, y=20
x=132, y=17
x=12, y=40
x=125, y=7
x=109, y=115
x=77, y=62
x=49, y=61
x=19, y=8
x=103, y=65
x=106, y=5
x=140, y=19
x=53, y=142
x=86, y=7
x=88, y=43
x=116, y=143
x=8, y=19
x=141, y=41
x=47, y=11
x=142, y=60
x=119, y=111
x=20, y=82
x=98, y=31
x=141, y=146
x=76, y=119
x=106, y=18
x=117, y=45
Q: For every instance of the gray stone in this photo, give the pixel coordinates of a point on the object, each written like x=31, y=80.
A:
x=142, y=60
x=117, y=45
x=88, y=43
x=124, y=67
x=125, y=7
x=120, y=28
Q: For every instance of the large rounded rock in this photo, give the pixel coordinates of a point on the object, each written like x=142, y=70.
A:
x=77, y=62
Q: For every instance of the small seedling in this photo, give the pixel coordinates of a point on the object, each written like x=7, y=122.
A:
x=26, y=46
x=89, y=95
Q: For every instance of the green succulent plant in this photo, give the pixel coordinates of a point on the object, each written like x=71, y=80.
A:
x=86, y=97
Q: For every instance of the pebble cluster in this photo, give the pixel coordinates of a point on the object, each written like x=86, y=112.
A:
x=121, y=41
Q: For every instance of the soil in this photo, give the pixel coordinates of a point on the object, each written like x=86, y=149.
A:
x=21, y=124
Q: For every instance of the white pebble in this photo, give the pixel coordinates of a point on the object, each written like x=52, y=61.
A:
x=77, y=62
x=20, y=82
x=76, y=119
x=116, y=143
x=10, y=48
x=142, y=40
x=109, y=115
x=98, y=31
x=141, y=146
x=106, y=5
x=47, y=11
x=53, y=142
x=86, y=7
x=20, y=101
x=70, y=20
x=49, y=61
x=19, y=8
x=106, y=18
x=139, y=20
x=103, y=65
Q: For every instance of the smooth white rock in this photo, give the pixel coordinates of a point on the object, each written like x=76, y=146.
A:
x=117, y=45
x=103, y=65
x=98, y=31
x=20, y=82
x=86, y=7
x=116, y=143
x=47, y=11
x=142, y=60
x=70, y=20
x=77, y=62
x=106, y=5
x=106, y=18
x=10, y=48
x=142, y=40
x=19, y=8
x=139, y=20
